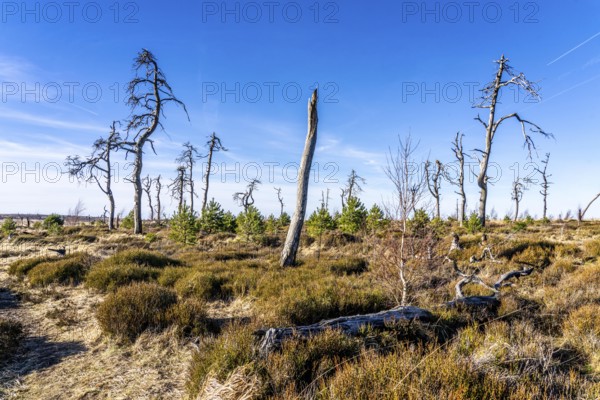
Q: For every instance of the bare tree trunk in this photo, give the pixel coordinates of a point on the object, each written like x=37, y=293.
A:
x=288, y=256
x=108, y=191
x=490, y=100
x=137, y=187
x=433, y=183
x=581, y=213
x=158, y=186
x=207, y=177
x=111, y=214
x=489, y=135
x=147, y=183
x=460, y=156
x=214, y=144
x=280, y=198
x=352, y=326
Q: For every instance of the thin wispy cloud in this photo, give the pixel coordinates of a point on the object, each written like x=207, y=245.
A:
x=573, y=49
x=37, y=120
x=15, y=69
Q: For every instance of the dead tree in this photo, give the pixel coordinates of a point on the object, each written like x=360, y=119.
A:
x=518, y=187
x=272, y=338
x=246, y=199
x=149, y=92
x=545, y=185
x=75, y=213
x=434, y=183
x=459, y=181
x=409, y=187
x=178, y=186
x=353, y=187
x=292, y=241
x=489, y=100
x=581, y=213
x=147, y=186
x=492, y=301
x=187, y=158
x=280, y=198
x=214, y=145
x=158, y=188
x=97, y=167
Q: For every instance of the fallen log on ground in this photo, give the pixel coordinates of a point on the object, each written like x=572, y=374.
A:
x=351, y=326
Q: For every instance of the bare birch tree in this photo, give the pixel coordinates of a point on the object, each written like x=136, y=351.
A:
x=409, y=189
x=214, y=145
x=97, y=167
x=489, y=100
x=148, y=93
x=292, y=241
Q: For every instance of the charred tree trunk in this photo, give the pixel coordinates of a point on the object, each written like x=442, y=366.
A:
x=288, y=256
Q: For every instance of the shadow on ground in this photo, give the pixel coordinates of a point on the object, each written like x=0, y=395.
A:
x=38, y=353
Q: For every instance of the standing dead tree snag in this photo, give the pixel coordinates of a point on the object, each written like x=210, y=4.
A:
x=148, y=93
x=489, y=100
x=434, y=183
x=246, y=199
x=158, y=188
x=187, y=158
x=97, y=167
x=353, y=187
x=292, y=241
x=214, y=145
x=178, y=186
x=147, y=186
x=459, y=181
x=280, y=198
x=518, y=187
x=545, y=184
x=581, y=213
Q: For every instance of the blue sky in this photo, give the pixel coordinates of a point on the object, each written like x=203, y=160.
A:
x=245, y=70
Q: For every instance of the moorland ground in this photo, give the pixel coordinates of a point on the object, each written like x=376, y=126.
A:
x=133, y=316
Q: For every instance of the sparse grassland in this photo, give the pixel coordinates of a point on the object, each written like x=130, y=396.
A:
x=162, y=320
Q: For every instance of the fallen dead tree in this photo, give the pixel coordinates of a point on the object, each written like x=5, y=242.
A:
x=272, y=338
x=351, y=326
x=491, y=301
